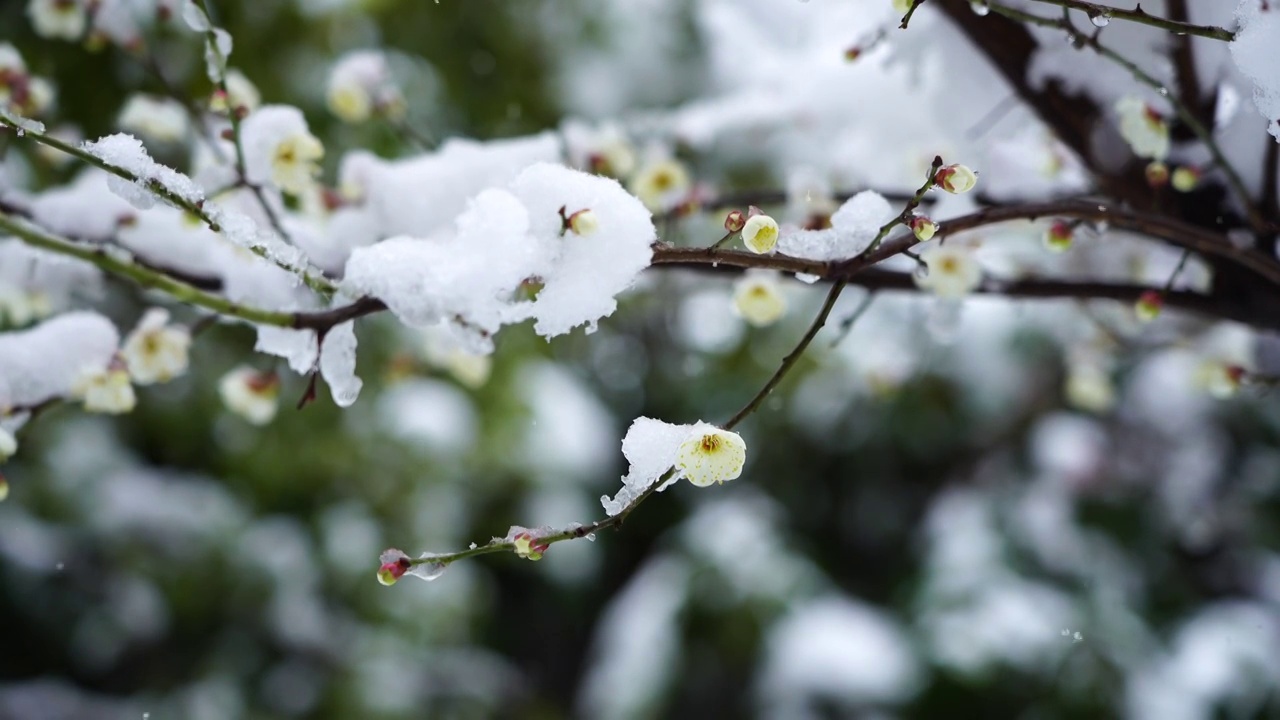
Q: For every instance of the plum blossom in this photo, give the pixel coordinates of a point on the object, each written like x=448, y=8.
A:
x=360, y=85
x=758, y=298
x=711, y=455
x=1143, y=128
x=760, y=234
x=661, y=184
x=58, y=19
x=155, y=118
x=953, y=271
x=279, y=148
x=105, y=390
x=395, y=563
x=155, y=351
x=1059, y=236
x=251, y=394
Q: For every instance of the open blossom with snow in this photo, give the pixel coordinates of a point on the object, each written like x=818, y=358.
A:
x=711, y=455
x=760, y=234
x=1143, y=127
x=156, y=351
x=252, y=394
x=758, y=298
x=58, y=19
x=106, y=390
x=280, y=149
x=154, y=118
x=661, y=184
x=952, y=271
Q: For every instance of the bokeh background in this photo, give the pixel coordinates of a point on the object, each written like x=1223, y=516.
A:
x=924, y=529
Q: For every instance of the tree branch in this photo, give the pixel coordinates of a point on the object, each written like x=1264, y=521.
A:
x=1138, y=15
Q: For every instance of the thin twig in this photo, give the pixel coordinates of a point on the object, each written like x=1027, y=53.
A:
x=1138, y=15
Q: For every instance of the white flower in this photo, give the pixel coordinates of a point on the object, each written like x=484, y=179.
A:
x=1143, y=128
x=11, y=64
x=19, y=307
x=350, y=102
x=105, y=390
x=155, y=351
x=155, y=118
x=360, y=85
x=760, y=234
x=250, y=394
x=1220, y=378
x=953, y=271
x=758, y=298
x=57, y=19
x=711, y=455
x=280, y=149
x=1089, y=387
x=241, y=94
x=661, y=184
x=956, y=179
x=39, y=97
x=295, y=162
x=8, y=445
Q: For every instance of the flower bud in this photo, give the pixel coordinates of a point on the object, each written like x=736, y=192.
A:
x=1059, y=236
x=1186, y=178
x=1221, y=379
x=923, y=227
x=955, y=178
x=1149, y=305
x=529, y=547
x=734, y=221
x=1157, y=174
x=394, y=565
x=760, y=234
x=583, y=222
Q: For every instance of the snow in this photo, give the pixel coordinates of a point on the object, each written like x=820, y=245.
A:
x=650, y=447
x=471, y=276
x=44, y=362
x=338, y=364
x=853, y=226
x=839, y=650
x=1256, y=51
x=127, y=153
